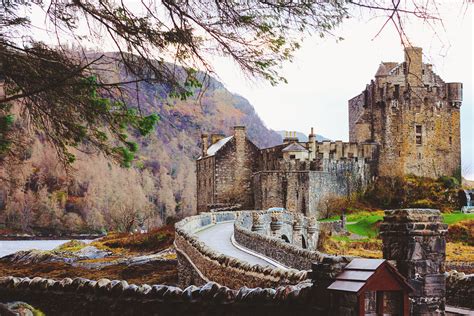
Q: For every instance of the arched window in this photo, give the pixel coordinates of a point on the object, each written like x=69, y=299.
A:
x=285, y=238
x=303, y=242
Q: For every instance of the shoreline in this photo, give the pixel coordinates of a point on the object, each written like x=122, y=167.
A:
x=65, y=237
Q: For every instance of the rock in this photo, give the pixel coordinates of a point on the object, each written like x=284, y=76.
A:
x=18, y=309
x=91, y=252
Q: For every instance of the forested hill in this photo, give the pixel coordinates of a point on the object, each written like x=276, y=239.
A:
x=100, y=195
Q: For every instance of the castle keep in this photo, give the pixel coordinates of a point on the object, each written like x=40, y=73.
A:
x=406, y=121
x=414, y=117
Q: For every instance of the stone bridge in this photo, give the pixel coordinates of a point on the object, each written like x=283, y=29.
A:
x=239, y=263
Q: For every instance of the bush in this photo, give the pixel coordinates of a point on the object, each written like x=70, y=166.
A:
x=462, y=232
x=423, y=203
x=449, y=182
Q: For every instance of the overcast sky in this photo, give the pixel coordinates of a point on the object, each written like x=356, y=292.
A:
x=325, y=74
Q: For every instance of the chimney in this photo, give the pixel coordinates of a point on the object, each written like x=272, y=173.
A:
x=414, y=66
x=204, y=144
x=312, y=136
x=290, y=137
x=216, y=137
x=239, y=133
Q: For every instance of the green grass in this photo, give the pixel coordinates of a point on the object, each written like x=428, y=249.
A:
x=365, y=225
x=454, y=218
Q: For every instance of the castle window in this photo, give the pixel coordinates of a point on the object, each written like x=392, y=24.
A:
x=396, y=93
x=292, y=156
x=450, y=140
x=419, y=140
x=418, y=137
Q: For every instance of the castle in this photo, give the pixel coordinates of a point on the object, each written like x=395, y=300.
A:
x=406, y=121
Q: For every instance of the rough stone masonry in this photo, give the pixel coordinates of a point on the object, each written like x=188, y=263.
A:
x=415, y=240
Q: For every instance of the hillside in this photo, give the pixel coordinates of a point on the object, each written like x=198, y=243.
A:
x=38, y=196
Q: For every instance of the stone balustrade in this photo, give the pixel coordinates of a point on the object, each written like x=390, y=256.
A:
x=253, y=230
x=198, y=263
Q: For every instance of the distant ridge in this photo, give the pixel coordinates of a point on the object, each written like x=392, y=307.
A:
x=302, y=137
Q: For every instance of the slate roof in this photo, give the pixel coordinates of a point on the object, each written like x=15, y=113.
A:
x=294, y=147
x=211, y=151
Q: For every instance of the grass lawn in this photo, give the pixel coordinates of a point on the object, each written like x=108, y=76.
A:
x=366, y=224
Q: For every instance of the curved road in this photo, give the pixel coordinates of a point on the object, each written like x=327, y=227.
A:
x=218, y=238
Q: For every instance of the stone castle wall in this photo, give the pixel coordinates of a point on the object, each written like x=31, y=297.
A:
x=413, y=115
x=235, y=165
x=205, y=185
x=307, y=191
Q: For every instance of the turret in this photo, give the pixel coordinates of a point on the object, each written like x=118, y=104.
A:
x=454, y=93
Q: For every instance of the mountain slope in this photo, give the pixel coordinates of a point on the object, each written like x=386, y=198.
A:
x=161, y=184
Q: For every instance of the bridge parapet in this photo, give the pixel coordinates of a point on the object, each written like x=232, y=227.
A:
x=285, y=244
x=198, y=263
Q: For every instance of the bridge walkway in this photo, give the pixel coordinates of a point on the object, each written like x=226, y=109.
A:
x=218, y=237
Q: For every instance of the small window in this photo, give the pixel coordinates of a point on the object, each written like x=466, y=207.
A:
x=419, y=155
x=418, y=140
x=450, y=140
x=292, y=156
x=418, y=129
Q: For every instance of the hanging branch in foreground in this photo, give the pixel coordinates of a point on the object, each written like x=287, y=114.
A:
x=68, y=95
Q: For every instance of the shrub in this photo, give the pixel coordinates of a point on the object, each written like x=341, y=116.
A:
x=462, y=232
x=449, y=182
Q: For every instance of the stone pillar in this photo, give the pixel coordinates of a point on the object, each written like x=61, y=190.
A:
x=275, y=225
x=313, y=233
x=257, y=223
x=297, y=230
x=415, y=240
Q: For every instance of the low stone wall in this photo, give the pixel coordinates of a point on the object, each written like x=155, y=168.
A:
x=277, y=249
x=105, y=297
x=460, y=266
x=220, y=268
x=331, y=227
x=460, y=289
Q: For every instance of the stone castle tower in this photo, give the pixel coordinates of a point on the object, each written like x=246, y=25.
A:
x=414, y=117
